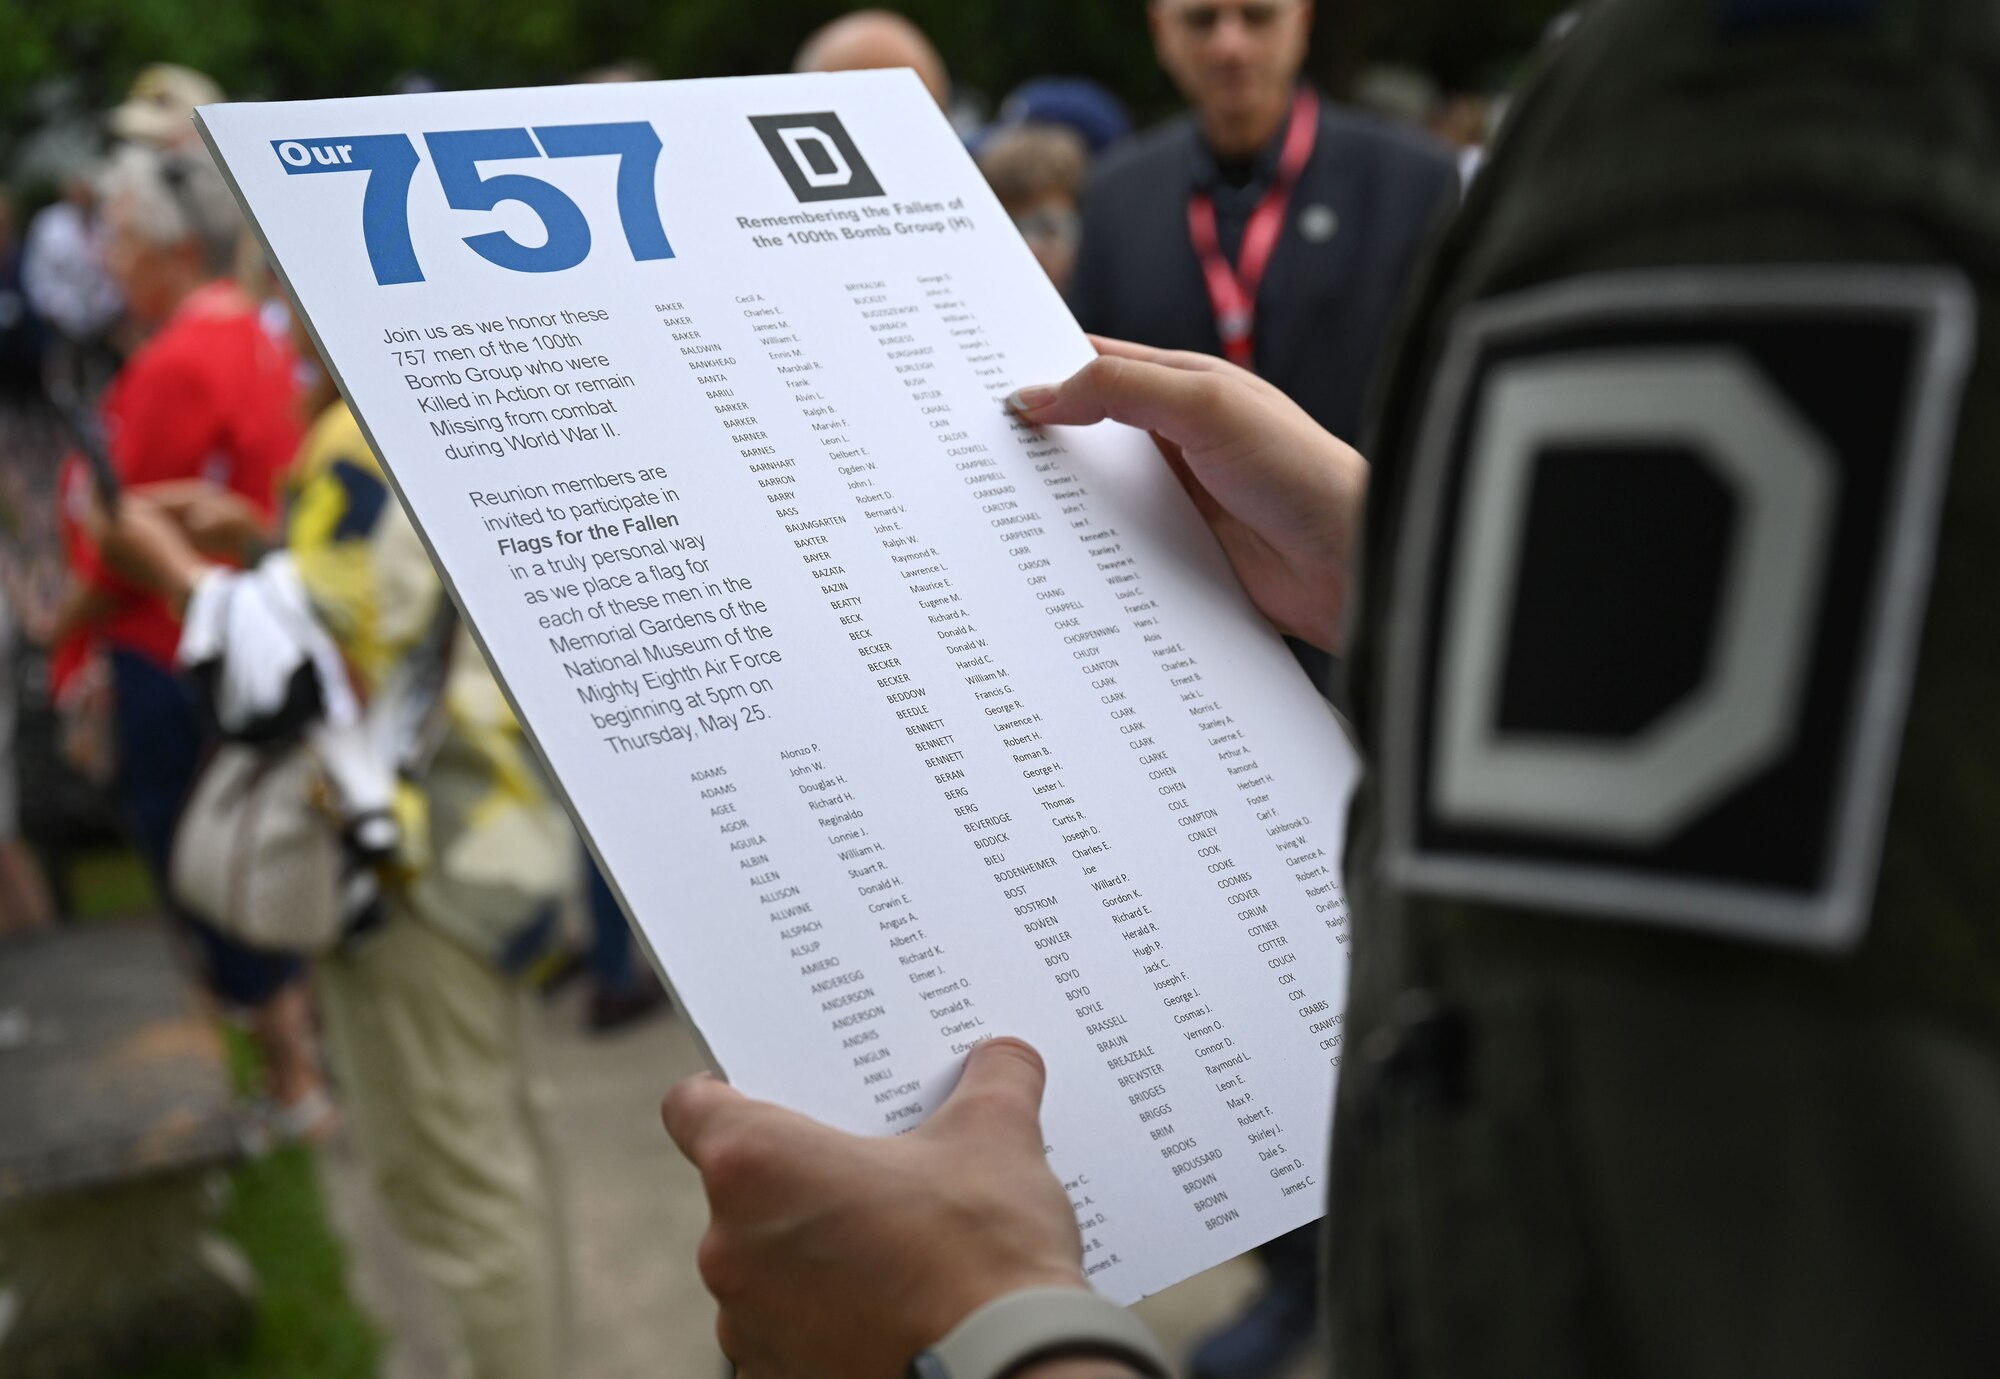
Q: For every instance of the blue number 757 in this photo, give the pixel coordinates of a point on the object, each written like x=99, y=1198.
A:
x=390, y=160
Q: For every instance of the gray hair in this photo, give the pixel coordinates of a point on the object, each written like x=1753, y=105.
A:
x=174, y=198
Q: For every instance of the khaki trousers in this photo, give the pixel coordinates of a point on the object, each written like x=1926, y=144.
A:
x=428, y=1040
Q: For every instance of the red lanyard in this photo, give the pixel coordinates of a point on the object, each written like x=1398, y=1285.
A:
x=1232, y=292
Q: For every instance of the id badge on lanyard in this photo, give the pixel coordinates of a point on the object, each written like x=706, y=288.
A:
x=1232, y=290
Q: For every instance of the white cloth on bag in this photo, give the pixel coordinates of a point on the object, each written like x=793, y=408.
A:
x=257, y=628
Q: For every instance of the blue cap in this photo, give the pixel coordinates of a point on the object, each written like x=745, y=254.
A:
x=1075, y=102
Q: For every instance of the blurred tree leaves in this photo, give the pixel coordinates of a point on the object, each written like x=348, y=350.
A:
x=309, y=48
x=1465, y=45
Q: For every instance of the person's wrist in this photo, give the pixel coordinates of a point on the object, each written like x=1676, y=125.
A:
x=955, y=1304
x=182, y=579
x=1076, y=1368
x=1049, y=1331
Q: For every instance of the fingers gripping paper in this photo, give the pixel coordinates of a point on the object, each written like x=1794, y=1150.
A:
x=897, y=724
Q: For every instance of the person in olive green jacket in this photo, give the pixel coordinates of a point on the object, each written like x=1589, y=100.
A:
x=1674, y=1032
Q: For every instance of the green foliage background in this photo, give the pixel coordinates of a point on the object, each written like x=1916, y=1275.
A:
x=309, y=48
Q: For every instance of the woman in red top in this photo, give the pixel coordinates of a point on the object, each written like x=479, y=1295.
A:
x=211, y=397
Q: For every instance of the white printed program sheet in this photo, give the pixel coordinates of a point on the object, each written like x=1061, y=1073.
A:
x=897, y=724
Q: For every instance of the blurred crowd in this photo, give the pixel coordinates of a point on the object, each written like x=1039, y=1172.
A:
x=153, y=384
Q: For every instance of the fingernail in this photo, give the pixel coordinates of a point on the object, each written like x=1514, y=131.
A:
x=1031, y=399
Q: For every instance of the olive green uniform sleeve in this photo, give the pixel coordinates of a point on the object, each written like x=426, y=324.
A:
x=1576, y=1143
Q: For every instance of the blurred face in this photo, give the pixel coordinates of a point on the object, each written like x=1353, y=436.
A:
x=152, y=277
x=1235, y=60
x=1051, y=226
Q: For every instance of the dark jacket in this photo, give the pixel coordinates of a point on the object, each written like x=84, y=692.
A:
x=1326, y=303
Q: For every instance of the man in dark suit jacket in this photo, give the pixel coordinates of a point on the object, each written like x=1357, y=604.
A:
x=1171, y=222
x=1357, y=217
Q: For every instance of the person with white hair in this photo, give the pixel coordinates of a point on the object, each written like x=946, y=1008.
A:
x=208, y=399
x=158, y=110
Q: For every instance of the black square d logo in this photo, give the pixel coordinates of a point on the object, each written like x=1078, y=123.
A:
x=1660, y=589
x=818, y=159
